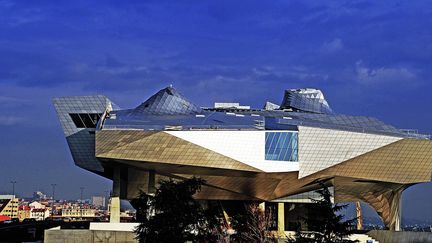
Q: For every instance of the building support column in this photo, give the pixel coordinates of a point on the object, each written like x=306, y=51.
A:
x=115, y=198
x=281, y=219
x=115, y=210
x=395, y=211
x=151, y=182
x=388, y=206
x=384, y=197
x=225, y=215
x=138, y=181
x=262, y=206
x=359, y=216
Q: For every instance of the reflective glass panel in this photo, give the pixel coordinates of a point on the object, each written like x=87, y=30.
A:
x=281, y=146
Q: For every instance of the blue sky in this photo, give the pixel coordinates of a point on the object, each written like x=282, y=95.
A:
x=369, y=57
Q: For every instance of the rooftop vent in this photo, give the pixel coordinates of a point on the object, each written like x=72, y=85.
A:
x=221, y=105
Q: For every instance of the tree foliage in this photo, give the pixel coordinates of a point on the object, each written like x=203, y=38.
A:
x=253, y=226
x=324, y=223
x=173, y=215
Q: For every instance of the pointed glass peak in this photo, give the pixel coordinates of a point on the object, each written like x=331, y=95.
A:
x=167, y=101
x=306, y=100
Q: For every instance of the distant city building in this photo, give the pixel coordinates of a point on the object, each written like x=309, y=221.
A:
x=9, y=206
x=38, y=195
x=39, y=213
x=23, y=212
x=78, y=212
x=4, y=218
x=37, y=205
x=127, y=215
x=98, y=201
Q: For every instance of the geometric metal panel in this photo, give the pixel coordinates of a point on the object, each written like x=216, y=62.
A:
x=79, y=104
x=256, y=187
x=406, y=161
x=247, y=147
x=167, y=101
x=214, y=193
x=79, y=130
x=309, y=100
x=160, y=147
x=383, y=197
x=322, y=148
x=81, y=145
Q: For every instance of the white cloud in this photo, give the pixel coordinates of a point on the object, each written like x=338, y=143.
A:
x=6, y=99
x=333, y=46
x=122, y=69
x=9, y=120
x=6, y=3
x=10, y=102
x=289, y=73
x=367, y=75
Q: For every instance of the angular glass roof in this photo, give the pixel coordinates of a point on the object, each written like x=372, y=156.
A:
x=167, y=101
x=308, y=100
x=169, y=110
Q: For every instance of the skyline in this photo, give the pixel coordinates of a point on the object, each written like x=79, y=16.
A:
x=369, y=59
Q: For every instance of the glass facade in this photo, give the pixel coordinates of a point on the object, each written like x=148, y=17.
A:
x=167, y=102
x=306, y=100
x=85, y=120
x=281, y=146
x=301, y=107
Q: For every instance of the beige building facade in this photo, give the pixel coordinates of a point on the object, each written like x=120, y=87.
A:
x=78, y=213
x=9, y=206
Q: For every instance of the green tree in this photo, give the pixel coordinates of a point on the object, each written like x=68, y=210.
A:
x=173, y=215
x=324, y=223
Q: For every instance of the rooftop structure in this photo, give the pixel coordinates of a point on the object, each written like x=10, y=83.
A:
x=270, y=154
x=307, y=100
x=219, y=105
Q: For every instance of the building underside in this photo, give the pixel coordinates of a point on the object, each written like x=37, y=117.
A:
x=269, y=154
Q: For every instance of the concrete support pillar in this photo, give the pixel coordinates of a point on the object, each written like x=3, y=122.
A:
x=225, y=214
x=359, y=216
x=281, y=219
x=152, y=182
x=395, y=211
x=115, y=199
x=115, y=210
x=140, y=180
x=388, y=206
x=116, y=182
x=262, y=206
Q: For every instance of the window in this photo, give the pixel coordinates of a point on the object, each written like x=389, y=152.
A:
x=281, y=146
x=85, y=120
